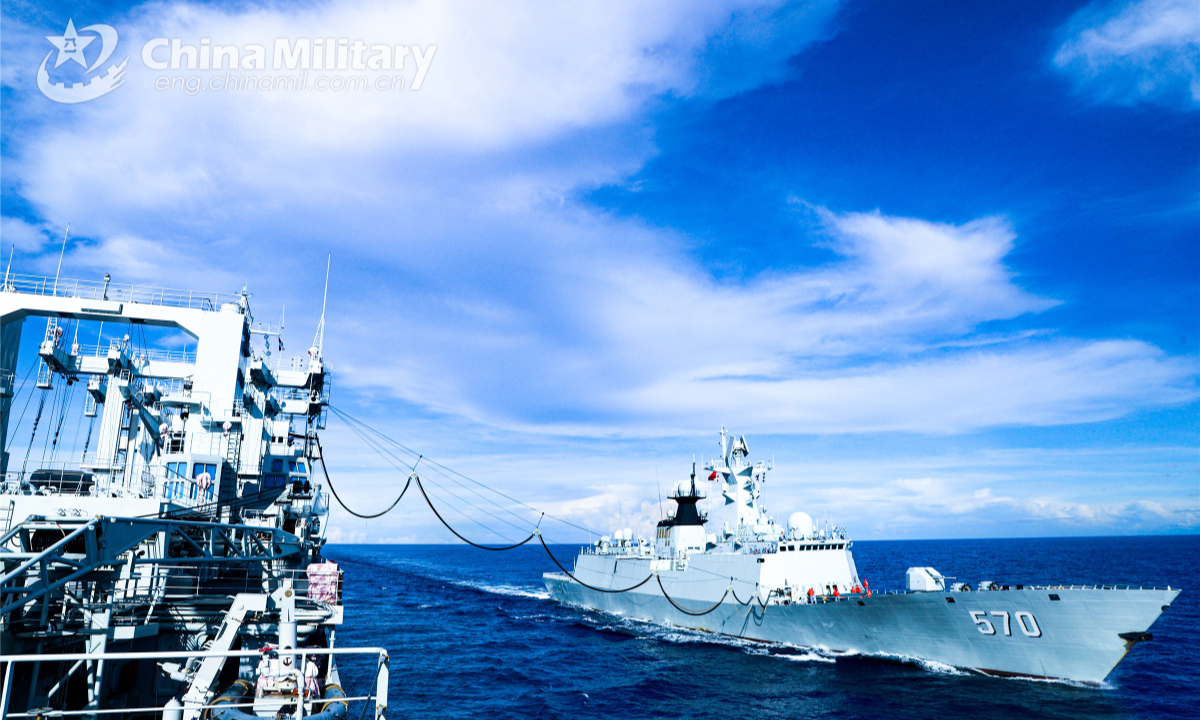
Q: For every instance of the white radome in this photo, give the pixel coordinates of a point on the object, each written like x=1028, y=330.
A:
x=800, y=525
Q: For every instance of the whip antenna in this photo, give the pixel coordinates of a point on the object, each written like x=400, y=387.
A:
x=319, y=340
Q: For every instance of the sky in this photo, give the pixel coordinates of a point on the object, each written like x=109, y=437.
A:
x=938, y=262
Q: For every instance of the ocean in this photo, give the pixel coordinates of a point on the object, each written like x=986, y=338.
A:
x=472, y=634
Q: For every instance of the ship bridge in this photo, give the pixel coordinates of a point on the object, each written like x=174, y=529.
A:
x=190, y=427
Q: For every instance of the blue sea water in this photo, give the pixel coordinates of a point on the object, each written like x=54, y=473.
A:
x=472, y=634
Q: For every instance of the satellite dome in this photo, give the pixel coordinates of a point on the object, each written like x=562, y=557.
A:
x=800, y=525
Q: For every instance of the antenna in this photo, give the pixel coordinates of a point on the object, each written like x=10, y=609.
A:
x=659, y=487
x=9, y=269
x=60, y=258
x=319, y=340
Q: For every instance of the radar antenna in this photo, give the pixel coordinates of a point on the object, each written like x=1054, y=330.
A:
x=319, y=340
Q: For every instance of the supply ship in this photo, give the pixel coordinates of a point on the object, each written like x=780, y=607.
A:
x=167, y=562
x=797, y=584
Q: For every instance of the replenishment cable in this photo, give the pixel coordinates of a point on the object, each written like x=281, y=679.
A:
x=390, y=458
x=413, y=476
x=321, y=453
x=753, y=598
x=458, y=535
x=653, y=573
x=376, y=445
x=351, y=420
x=684, y=610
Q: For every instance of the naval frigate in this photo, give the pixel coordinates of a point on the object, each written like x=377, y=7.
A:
x=755, y=579
x=170, y=562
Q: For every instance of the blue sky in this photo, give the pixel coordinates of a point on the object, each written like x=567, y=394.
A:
x=939, y=261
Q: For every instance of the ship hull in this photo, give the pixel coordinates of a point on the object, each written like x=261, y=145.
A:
x=1077, y=637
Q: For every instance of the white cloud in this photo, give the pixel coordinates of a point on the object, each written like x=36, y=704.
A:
x=616, y=340
x=1137, y=51
x=468, y=278
x=899, y=488
x=15, y=232
x=487, y=291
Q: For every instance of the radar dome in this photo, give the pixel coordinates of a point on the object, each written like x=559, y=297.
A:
x=683, y=487
x=800, y=525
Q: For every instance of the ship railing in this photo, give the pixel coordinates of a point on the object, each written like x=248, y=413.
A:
x=100, y=290
x=1015, y=587
x=187, y=492
x=140, y=483
x=1025, y=588
x=232, y=410
x=280, y=393
x=7, y=662
x=610, y=551
x=185, y=582
x=99, y=462
x=295, y=363
x=76, y=479
x=100, y=349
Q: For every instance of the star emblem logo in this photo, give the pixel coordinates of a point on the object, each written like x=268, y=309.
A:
x=70, y=45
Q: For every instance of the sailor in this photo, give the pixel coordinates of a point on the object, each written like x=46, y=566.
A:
x=312, y=685
x=275, y=674
x=267, y=671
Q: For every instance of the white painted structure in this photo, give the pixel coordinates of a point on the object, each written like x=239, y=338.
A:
x=191, y=525
x=799, y=585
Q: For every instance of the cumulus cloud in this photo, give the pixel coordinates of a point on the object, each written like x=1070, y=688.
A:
x=488, y=290
x=1136, y=51
x=17, y=233
x=883, y=339
x=470, y=279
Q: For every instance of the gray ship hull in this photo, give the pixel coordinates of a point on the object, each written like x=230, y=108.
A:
x=1079, y=636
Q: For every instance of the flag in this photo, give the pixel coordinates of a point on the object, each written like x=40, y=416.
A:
x=713, y=476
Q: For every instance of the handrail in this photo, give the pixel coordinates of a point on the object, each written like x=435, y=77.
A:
x=159, y=710
x=7, y=662
x=104, y=291
x=152, y=654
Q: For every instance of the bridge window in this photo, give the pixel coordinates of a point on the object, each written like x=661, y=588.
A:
x=276, y=466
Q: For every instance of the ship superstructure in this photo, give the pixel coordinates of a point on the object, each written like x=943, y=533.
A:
x=798, y=584
x=173, y=562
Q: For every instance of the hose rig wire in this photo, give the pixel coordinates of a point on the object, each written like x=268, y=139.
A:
x=321, y=455
x=693, y=613
x=458, y=535
x=447, y=472
x=375, y=439
x=593, y=587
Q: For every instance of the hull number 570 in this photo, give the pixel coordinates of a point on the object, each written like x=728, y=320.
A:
x=1022, y=619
